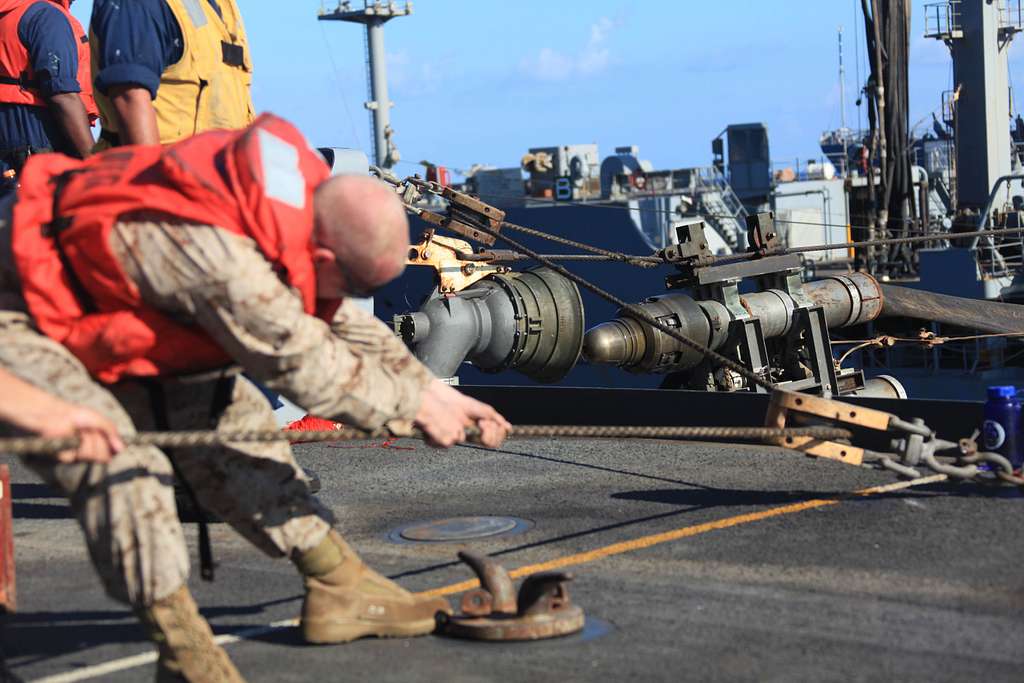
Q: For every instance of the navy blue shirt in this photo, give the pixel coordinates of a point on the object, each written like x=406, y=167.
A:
x=53, y=53
x=138, y=40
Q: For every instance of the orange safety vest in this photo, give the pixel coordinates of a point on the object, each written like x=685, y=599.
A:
x=257, y=182
x=18, y=82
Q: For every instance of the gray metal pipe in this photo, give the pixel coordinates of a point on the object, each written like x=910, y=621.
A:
x=631, y=343
x=380, y=105
x=447, y=330
x=531, y=321
x=848, y=300
x=883, y=386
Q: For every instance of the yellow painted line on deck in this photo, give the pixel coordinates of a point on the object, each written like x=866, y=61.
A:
x=684, y=532
x=107, y=668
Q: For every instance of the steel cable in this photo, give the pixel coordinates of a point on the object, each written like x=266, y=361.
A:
x=641, y=261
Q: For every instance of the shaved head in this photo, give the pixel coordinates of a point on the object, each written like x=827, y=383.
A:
x=362, y=221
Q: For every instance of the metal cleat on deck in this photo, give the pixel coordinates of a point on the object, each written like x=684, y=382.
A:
x=494, y=612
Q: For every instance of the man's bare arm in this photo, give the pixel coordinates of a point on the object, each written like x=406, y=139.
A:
x=32, y=409
x=69, y=111
x=136, y=115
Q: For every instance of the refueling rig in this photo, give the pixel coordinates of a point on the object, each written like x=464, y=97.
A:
x=778, y=328
x=753, y=308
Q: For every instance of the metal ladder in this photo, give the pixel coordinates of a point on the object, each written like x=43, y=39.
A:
x=724, y=211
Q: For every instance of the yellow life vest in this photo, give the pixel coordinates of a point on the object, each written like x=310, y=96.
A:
x=209, y=87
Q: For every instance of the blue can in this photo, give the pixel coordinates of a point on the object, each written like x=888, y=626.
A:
x=1000, y=432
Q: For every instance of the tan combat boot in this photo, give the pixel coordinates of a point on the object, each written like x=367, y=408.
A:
x=187, y=649
x=346, y=600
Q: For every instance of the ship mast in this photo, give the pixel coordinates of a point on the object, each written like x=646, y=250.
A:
x=978, y=35
x=842, y=106
x=373, y=15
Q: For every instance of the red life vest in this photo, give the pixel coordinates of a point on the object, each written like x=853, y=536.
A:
x=257, y=182
x=18, y=84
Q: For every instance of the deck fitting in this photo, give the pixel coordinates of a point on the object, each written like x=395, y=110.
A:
x=493, y=612
x=459, y=529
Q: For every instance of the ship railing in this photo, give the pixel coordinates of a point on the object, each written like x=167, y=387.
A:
x=1003, y=255
x=942, y=20
x=1000, y=259
x=710, y=176
x=1011, y=17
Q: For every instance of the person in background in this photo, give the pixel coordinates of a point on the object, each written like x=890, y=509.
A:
x=46, y=101
x=169, y=69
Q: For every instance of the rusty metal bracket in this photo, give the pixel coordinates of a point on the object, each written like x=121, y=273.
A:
x=542, y=609
x=465, y=216
x=8, y=595
x=788, y=409
x=762, y=235
x=691, y=248
x=698, y=266
x=453, y=259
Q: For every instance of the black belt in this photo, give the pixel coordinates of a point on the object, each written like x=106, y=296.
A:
x=23, y=82
x=114, y=139
x=161, y=418
x=57, y=225
x=16, y=157
x=7, y=200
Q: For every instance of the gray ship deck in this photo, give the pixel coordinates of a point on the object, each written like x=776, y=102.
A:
x=920, y=584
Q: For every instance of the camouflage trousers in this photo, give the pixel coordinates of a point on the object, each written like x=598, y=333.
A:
x=126, y=508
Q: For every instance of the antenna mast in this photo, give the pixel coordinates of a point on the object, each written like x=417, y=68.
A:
x=842, y=105
x=373, y=15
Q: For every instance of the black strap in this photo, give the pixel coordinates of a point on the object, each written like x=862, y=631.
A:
x=206, y=563
x=57, y=225
x=22, y=81
x=17, y=157
x=221, y=400
x=158, y=404
x=114, y=139
x=233, y=55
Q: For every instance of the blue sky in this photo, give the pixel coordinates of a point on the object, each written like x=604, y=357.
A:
x=482, y=81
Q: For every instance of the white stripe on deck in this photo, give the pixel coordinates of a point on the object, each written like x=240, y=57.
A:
x=134, y=661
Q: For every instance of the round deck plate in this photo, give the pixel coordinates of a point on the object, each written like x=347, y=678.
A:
x=458, y=529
